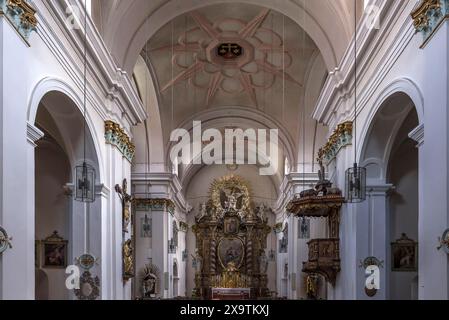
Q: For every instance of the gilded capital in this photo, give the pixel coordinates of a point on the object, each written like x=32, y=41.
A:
x=116, y=136
x=428, y=16
x=21, y=15
x=341, y=137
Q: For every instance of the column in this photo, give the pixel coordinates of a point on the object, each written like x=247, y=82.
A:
x=434, y=155
x=160, y=251
x=16, y=163
x=373, y=238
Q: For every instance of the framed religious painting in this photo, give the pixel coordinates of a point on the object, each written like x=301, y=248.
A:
x=404, y=255
x=54, y=252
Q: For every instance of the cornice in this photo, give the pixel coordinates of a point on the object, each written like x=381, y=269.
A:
x=116, y=136
x=417, y=135
x=428, y=16
x=163, y=185
x=33, y=134
x=339, y=86
x=111, y=92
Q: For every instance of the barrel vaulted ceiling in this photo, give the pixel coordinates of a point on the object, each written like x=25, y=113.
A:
x=285, y=50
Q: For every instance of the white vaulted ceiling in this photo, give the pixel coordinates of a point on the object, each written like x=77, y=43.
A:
x=289, y=46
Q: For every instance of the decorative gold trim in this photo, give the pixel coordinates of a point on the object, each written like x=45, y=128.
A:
x=341, y=137
x=155, y=204
x=420, y=15
x=117, y=136
x=21, y=15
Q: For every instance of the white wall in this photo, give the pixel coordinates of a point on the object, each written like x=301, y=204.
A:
x=52, y=209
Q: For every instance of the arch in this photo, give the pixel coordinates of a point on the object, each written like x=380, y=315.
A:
x=404, y=86
x=250, y=118
x=323, y=30
x=51, y=84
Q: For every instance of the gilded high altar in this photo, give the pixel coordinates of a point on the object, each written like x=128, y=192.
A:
x=231, y=239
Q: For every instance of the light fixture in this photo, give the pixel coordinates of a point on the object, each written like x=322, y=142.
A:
x=171, y=246
x=85, y=174
x=185, y=255
x=355, y=176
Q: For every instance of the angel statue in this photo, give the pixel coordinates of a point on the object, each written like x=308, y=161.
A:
x=201, y=213
x=261, y=212
x=229, y=200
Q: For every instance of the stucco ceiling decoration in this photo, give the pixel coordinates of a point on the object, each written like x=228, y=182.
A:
x=261, y=59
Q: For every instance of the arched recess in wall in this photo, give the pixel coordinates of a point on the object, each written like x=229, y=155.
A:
x=391, y=159
x=57, y=215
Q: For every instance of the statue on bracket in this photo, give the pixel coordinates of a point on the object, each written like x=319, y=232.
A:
x=126, y=203
x=201, y=213
x=128, y=260
x=150, y=281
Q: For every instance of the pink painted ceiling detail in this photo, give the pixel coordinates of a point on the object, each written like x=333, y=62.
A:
x=263, y=51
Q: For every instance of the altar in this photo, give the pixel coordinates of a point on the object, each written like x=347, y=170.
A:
x=231, y=293
x=231, y=237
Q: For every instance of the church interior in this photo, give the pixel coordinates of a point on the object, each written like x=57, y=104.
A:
x=224, y=150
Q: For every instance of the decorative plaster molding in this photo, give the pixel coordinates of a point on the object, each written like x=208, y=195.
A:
x=278, y=227
x=54, y=31
x=155, y=204
x=417, y=135
x=341, y=137
x=33, y=134
x=21, y=15
x=428, y=16
x=116, y=136
x=183, y=226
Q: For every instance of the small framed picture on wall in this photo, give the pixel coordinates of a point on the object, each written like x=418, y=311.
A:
x=54, y=251
x=404, y=255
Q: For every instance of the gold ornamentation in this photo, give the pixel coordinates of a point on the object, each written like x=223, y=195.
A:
x=231, y=278
x=128, y=260
x=21, y=15
x=341, y=137
x=116, y=136
x=230, y=193
x=155, y=204
x=420, y=15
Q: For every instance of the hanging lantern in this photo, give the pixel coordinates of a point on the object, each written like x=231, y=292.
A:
x=85, y=183
x=356, y=184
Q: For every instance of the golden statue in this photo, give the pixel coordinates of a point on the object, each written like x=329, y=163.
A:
x=128, y=260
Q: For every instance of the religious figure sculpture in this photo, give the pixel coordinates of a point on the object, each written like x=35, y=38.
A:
x=261, y=213
x=263, y=262
x=231, y=200
x=128, y=260
x=201, y=213
x=312, y=287
x=197, y=261
x=126, y=203
x=149, y=281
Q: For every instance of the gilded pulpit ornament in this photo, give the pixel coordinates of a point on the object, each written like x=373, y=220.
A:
x=126, y=203
x=5, y=241
x=128, y=260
